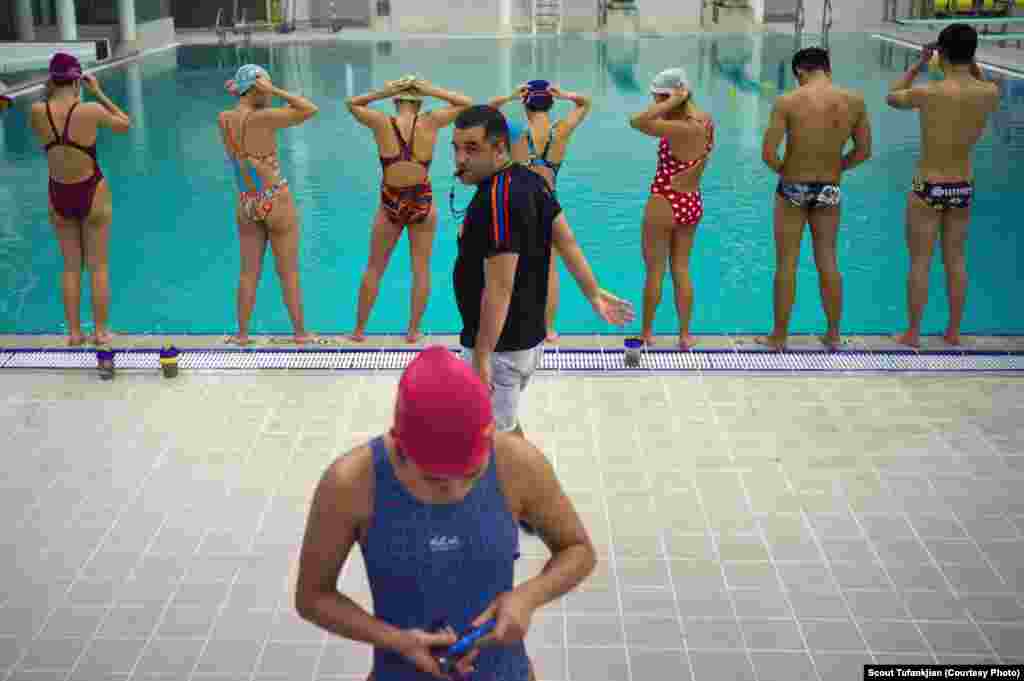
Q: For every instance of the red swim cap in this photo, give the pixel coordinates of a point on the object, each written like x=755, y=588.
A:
x=443, y=417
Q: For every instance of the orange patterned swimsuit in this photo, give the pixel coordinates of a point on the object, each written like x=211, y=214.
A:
x=406, y=205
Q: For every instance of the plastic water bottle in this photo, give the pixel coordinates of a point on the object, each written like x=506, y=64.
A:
x=169, y=361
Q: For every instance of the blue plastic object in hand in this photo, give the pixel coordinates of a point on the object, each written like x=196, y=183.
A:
x=469, y=639
x=460, y=648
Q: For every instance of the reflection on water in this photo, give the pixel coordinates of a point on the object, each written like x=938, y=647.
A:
x=619, y=57
x=174, y=250
x=16, y=280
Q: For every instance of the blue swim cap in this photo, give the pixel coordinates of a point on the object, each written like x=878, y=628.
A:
x=537, y=95
x=247, y=75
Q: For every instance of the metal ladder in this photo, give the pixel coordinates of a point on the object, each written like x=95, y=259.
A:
x=547, y=16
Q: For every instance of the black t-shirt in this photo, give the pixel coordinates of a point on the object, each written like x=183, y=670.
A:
x=512, y=212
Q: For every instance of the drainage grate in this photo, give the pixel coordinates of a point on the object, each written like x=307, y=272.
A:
x=554, y=359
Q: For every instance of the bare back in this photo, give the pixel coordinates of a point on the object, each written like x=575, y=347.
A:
x=953, y=115
x=819, y=121
x=424, y=137
x=67, y=164
x=257, y=143
x=559, y=134
x=690, y=145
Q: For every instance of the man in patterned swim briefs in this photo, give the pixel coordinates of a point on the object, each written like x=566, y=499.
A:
x=816, y=119
x=954, y=112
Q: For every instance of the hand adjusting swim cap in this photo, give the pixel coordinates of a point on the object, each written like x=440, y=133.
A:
x=246, y=77
x=410, y=94
x=669, y=80
x=64, y=68
x=538, y=93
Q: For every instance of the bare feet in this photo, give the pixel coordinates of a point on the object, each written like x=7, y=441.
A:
x=908, y=338
x=953, y=338
x=357, y=336
x=76, y=339
x=831, y=341
x=413, y=337
x=101, y=338
x=775, y=343
x=648, y=339
x=552, y=337
x=237, y=339
x=306, y=339
x=686, y=342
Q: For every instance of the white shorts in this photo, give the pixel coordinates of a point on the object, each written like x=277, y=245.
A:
x=510, y=373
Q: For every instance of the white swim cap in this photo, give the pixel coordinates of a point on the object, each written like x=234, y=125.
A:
x=668, y=80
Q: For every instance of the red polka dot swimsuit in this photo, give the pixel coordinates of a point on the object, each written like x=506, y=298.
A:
x=687, y=207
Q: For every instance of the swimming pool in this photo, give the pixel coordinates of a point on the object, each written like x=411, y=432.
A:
x=174, y=254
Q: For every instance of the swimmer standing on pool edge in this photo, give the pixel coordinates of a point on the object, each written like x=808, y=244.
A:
x=265, y=209
x=675, y=206
x=80, y=202
x=406, y=144
x=816, y=119
x=953, y=112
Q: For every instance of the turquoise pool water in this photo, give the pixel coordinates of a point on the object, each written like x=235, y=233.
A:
x=174, y=253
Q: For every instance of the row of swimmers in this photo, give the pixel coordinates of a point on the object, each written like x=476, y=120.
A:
x=816, y=120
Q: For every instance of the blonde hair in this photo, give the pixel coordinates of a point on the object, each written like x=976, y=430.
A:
x=52, y=86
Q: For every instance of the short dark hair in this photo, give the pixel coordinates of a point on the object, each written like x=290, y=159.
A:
x=493, y=122
x=957, y=43
x=812, y=59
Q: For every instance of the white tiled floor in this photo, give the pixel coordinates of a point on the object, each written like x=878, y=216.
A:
x=750, y=527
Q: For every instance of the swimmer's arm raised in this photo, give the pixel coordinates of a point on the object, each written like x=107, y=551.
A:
x=36, y=121
x=907, y=79
x=650, y=122
x=911, y=98
x=367, y=116
x=331, y=531
x=109, y=115
x=457, y=103
x=299, y=110
x=583, y=105
x=456, y=99
x=773, y=135
x=901, y=94
x=498, y=102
